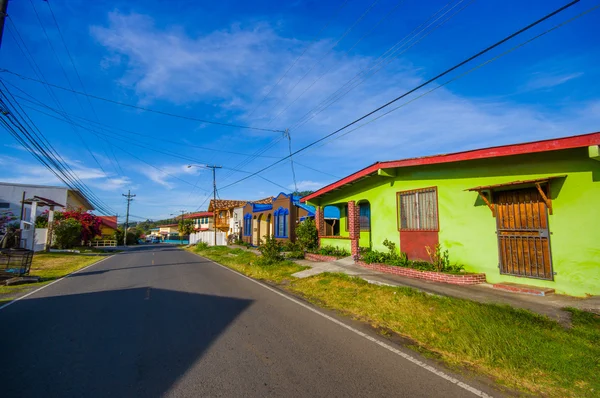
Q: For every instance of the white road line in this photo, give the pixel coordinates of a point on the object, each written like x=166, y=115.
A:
x=52, y=283
x=388, y=347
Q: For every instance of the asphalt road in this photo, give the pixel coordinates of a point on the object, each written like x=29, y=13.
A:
x=164, y=322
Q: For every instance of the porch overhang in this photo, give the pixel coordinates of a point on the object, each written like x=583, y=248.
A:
x=536, y=182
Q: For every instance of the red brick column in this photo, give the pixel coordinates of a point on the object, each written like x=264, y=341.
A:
x=320, y=221
x=353, y=226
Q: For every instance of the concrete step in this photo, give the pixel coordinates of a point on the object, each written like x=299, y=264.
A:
x=524, y=289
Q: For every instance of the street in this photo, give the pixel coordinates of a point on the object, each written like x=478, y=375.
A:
x=159, y=321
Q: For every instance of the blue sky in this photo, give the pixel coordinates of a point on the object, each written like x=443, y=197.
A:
x=218, y=60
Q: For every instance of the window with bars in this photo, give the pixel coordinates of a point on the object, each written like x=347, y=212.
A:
x=281, y=222
x=247, y=225
x=364, y=211
x=418, y=210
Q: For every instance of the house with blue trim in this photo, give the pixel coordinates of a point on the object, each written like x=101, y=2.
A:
x=278, y=218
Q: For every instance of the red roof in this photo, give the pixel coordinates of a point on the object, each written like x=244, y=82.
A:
x=576, y=141
x=109, y=221
x=199, y=214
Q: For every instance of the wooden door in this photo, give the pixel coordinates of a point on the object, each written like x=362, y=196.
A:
x=523, y=234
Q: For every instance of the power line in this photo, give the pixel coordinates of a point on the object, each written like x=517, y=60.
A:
x=3, y=70
x=298, y=58
x=55, y=53
x=41, y=149
x=478, y=54
x=384, y=59
x=321, y=75
x=363, y=15
x=38, y=72
x=33, y=100
x=79, y=77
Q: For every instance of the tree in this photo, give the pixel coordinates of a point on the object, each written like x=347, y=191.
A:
x=307, y=235
x=302, y=193
x=90, y=223
x=186, y=227
x=67, y=233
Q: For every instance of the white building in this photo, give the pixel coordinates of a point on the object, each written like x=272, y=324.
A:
x=12, y=195
x=27, y=202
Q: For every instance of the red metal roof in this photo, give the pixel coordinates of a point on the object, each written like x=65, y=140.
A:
x=576, y=141
x=198, y=215
x=109, y=221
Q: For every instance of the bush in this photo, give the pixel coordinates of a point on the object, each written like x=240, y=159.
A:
x=307, y=235
x=291, y=247
x=200, y=246
x=132, y=237
x=67, y=233
x=440, y=260
x=299, y=254
x=271, y=251
x=333, y=251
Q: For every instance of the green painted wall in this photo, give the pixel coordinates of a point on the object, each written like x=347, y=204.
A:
x=341, y=243
x=467, y=228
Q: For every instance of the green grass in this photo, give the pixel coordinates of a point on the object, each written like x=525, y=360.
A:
x=49, y=267
x=246, y=262
x=517, y=348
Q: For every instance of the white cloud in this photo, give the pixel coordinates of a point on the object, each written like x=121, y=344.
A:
x=235, y=67
x=548, y=80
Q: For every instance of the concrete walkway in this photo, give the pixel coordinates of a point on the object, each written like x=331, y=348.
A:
x=551, y=305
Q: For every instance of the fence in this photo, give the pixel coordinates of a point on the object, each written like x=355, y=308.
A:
x=15, y=262
x=209, y=238
x=103, y=243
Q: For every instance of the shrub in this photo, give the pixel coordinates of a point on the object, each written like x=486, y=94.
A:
x=67, y=233
x=291, y=247
x=299, y=254
x=270, y=250
x=186, y=227
x=307, y=235
x=200, y=246
x=333, y=251
x=441, y=260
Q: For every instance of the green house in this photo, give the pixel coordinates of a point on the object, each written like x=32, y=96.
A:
x=526, y=213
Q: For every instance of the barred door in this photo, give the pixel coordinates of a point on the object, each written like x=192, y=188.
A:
x=523, y=235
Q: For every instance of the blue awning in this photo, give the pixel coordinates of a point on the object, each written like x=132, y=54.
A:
x=261, y=207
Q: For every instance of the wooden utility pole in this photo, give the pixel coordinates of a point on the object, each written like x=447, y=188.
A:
x=3, y=14
x=129, y=197
x=214, y=199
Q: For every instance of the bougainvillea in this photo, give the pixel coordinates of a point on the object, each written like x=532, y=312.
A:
x=90, y=224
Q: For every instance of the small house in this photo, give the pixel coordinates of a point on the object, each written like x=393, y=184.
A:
x=525, y=213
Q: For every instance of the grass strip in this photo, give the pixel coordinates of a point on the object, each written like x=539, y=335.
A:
x=515, y=347
x=49, y=267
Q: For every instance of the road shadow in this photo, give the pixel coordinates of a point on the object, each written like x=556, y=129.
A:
x=122, y=343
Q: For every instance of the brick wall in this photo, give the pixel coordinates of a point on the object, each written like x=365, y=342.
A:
x=320, y=221
x=319, y=257
x=354, y=226
x=469, y=279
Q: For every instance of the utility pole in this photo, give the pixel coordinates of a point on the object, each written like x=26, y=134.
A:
x=3, y=15
x=129, y=197
x=214, y=199
x=181, y=232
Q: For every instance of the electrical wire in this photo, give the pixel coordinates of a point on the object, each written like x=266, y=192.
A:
x=363, y=15
x=32, y=100
x=36, y=143
x=405, y=44
x=447, y=71
x=323, y=74
x=23, y=77
x=298, y=58
x=62, y=38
